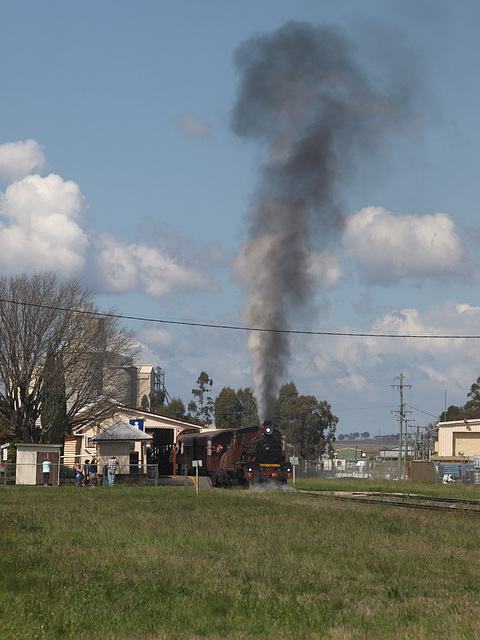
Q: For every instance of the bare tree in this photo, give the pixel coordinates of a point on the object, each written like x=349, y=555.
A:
x=58, y=353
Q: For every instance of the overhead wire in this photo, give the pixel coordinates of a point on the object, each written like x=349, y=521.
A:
x=212, y=325
x=420, y=410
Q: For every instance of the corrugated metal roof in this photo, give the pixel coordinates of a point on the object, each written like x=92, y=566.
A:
x=122, y=431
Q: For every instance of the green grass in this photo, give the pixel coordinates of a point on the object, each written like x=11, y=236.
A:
x=129, y=562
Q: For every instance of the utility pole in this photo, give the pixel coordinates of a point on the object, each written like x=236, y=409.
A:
x=401, y=415
x=406, y=435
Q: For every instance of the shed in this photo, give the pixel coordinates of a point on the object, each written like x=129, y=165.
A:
x=459, y=438
x=392, y=453
x=29, y=462
x=127, y=443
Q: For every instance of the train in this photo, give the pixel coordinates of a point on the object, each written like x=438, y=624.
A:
x=246, y=456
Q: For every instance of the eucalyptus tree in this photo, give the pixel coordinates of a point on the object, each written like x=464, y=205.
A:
x=202, y=408
x=235, y=409
x=58, y=353
x=307, y=423
x=248, y=404
x=175, y=408
x=228, y=409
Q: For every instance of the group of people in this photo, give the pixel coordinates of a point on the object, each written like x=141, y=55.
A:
x=176, y=457
x=88, y=473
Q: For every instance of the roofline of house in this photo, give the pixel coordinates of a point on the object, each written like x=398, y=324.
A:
x=120, y=406
x=152, y=413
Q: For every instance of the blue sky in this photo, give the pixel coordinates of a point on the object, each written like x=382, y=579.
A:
x=119, y=165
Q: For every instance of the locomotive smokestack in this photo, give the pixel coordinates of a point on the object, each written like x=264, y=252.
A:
x=303, y=97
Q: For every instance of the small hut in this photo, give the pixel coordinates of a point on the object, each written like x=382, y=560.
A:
x=127, y=443
x=29, y=463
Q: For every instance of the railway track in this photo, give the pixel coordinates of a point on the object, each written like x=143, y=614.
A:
x=410, y=501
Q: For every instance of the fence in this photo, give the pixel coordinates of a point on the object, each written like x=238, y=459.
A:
x=466, y=472
x=14, y=473
x=368, y=469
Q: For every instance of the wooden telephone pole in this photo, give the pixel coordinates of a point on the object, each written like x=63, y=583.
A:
x=401, y=413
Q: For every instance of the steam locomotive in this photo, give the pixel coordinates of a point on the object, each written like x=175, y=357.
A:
x=237, y=456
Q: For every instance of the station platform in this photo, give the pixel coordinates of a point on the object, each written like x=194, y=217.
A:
x=204, y=482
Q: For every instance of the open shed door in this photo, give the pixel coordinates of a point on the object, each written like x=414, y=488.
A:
x=54, y=458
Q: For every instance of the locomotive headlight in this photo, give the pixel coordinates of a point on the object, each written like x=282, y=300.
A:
x=268, y=430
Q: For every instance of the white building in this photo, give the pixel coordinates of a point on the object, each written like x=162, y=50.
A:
x=459, y=438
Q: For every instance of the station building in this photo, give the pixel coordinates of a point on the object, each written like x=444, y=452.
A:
x=100, y=417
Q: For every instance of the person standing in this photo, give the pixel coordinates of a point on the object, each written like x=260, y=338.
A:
x=46, y=467
x=93, y=471
x=219, y=452
x=112, y=465
x=86, y=473
x=78, y=475
x=179, y=461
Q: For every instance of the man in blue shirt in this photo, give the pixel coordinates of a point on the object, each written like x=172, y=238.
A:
x=46, y=466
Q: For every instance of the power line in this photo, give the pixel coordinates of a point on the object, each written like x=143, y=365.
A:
x=366, y=408
x=420, y=411
x=211, y=325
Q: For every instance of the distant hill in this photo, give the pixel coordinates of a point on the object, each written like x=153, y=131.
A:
x=369, y=444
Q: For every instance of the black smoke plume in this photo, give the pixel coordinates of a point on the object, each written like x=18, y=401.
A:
x=304, y=97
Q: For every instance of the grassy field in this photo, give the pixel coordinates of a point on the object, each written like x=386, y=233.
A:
x=128, y=562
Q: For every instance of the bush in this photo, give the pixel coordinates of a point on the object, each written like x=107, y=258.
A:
x=66, y=472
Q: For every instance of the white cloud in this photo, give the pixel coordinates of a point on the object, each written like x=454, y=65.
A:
x=192, y=126
x=325, y=269
x=19, y=159
x=390, y=248
x=41, y=227
x=157, y=338
x=120, y=267
x=467, y=309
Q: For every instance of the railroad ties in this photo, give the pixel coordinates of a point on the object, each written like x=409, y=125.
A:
x=405, y=500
